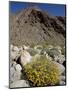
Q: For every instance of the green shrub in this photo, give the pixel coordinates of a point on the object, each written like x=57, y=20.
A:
x=42, y=72
x=33, y=52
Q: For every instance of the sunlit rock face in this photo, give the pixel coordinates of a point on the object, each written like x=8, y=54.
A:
x=25, y=57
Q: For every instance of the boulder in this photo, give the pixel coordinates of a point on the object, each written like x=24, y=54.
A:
x=15, y=71
x=16, y=49
x=14, y=55
x=59, y=58
x=62, y=78
x=19, y=83
x=62, y=82
x=25, y=57
x=14, y=75
x=61, y=68
x=18, y=67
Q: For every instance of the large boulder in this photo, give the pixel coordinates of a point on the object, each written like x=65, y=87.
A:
x=25, y=57
x=15, y=71
x=19, y=83
x=14, y=75
x=14, y=52
x=60, y=67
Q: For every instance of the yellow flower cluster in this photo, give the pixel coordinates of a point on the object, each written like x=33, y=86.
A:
x=42, y=72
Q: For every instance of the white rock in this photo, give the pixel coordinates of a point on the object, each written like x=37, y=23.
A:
x=11, y=47
x=59, y=58
x=62, y=83
x=14, y=75
x=15, y=72
x=45, y=53
x=25, y=57
x=38, y=46
x=20, y=49
x=58, y=48
x=19, y=83
x=62, y=78
x=61, y=68
x=56, y=58
x=18, y=67
x=15, y=48
x=13, y=55
x=26, y=47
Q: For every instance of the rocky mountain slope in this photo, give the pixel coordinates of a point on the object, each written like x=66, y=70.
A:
x=35, y=26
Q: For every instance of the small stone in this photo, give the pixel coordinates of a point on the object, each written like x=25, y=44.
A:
x=18, y=67
x=38, y=47
x=62, y=78
x=62, y=83
x=50, y=46
x=59, y=58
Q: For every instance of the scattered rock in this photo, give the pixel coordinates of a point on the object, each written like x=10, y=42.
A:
x=26, y=55
x=19, y=83
x=62, y=83
x=60, y=67
x=38, y=47
x=14, y=75
x=62, y=78
x=18, y=67
x=59, y=58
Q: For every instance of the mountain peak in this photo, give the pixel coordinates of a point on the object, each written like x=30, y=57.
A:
x=33, y=25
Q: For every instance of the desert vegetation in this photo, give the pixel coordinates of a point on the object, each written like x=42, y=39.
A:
x=37, y=66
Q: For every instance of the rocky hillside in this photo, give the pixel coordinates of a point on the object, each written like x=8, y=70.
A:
x=35, y=26
x=37, y=66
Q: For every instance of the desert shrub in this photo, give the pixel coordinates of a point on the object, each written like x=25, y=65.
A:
x=32, y=52
x=42, y=72
x=53, y=52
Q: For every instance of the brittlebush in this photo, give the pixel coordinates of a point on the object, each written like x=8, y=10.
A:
x=42, y=72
